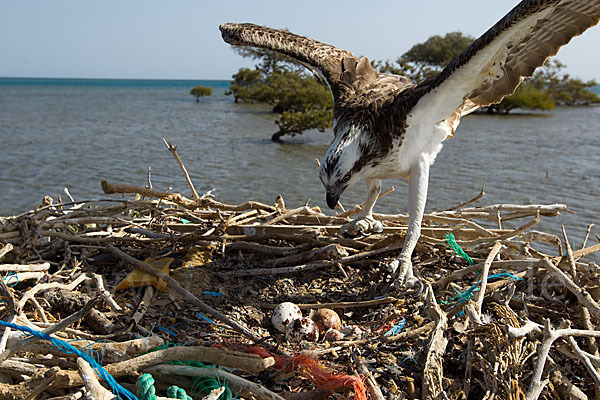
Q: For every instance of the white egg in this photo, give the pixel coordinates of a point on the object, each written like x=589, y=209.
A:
x=283, y=314
x=302, y=329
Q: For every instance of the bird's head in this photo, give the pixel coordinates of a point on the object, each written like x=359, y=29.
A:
x=343, y=165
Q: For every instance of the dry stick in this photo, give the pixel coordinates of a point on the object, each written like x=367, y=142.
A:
x=340, y=305
x=287, y=214
x=25, y=267
x=458, y=274
x=582, y=295
x=24, y=343
x=212, y=355
x=265, y=249
x=550, y=335
x=320, y=253
x=41, y=383
x=133, y=367
x=587, y=235
x=235, y=382
x=531, y=208
x=570, y=257
x=505, y=236
x=95, y=240
x=585, y=313
x=14, y=310
x=594, y=359
x=5, y=250
x=214, y=394
x=565, y=388
x=484, y=276
x=433, y=369
x=173, y=149
x=142, y=307
x=39, y=309
x=105, y=294
x=468, y=368
x=187, y=295
x=362, y=369
x=586, y=361
x=112, y=351
x=52, y=285
x=473, y=200
x=95, y=390
x=313, y=266
x=30, y=388
x=178, y=199
x=586, y=251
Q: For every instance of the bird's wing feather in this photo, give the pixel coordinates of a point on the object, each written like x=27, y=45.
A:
x=494, y=65
x=322, y=59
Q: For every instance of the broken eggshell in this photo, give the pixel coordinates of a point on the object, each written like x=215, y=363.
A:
x=326, y=319
x=283, y=314
x=333, y=335
x=302, y=329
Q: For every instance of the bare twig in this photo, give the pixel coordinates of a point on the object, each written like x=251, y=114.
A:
x=484, y=276
x=362, y=369
x=95, y=390
x=433, y=370
x=173, y=149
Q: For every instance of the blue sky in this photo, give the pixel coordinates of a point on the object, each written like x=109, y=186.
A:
x=180, y=39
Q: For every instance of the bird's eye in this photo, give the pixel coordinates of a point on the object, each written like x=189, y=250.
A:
x=346, y=179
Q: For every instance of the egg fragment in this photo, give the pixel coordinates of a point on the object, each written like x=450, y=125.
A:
x=333, y=335
x=283, y=314
x=326, y=319
x=302, y=329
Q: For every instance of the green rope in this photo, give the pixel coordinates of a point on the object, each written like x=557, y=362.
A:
x=175, y=392
x=145, y=387
x=146, y=391
x=202, y=385
x=457, y=249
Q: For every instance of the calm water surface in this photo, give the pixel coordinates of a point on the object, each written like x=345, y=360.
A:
x=73, y=133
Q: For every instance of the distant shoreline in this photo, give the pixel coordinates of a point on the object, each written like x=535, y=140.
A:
x=215, y=83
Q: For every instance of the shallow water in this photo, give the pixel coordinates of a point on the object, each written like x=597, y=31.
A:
x=73, y=133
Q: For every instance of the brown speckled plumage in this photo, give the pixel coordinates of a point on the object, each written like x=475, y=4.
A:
x=380, y=102
x=387, y=126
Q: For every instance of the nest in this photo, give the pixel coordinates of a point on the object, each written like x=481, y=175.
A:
x=517, y=321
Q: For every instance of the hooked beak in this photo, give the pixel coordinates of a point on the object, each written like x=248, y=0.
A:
x=333, y=196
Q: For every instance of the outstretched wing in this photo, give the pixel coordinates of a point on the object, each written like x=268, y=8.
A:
x=494, y=65
x=323, y=59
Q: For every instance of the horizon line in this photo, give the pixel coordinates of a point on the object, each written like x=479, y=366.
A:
x=113, y=79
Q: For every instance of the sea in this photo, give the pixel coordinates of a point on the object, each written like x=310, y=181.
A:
x=72, y=133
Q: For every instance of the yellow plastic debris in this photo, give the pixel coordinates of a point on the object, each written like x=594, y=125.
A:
x=139, y=277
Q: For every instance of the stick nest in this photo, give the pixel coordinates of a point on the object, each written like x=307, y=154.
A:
x=526, y=333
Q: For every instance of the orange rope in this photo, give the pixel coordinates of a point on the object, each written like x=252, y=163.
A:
x=311, y=369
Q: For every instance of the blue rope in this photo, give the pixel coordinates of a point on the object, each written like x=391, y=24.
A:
x=462, y=297
x=65, y=347
x=9, y=276
x=396, y=328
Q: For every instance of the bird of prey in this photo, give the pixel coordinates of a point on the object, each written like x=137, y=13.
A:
x=387, y=126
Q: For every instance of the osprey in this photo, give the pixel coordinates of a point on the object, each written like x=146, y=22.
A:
x=387, y=126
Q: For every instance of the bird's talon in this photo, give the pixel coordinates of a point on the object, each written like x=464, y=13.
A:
x=361, y=226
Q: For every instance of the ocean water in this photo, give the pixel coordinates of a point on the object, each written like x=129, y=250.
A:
x=58, y=133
